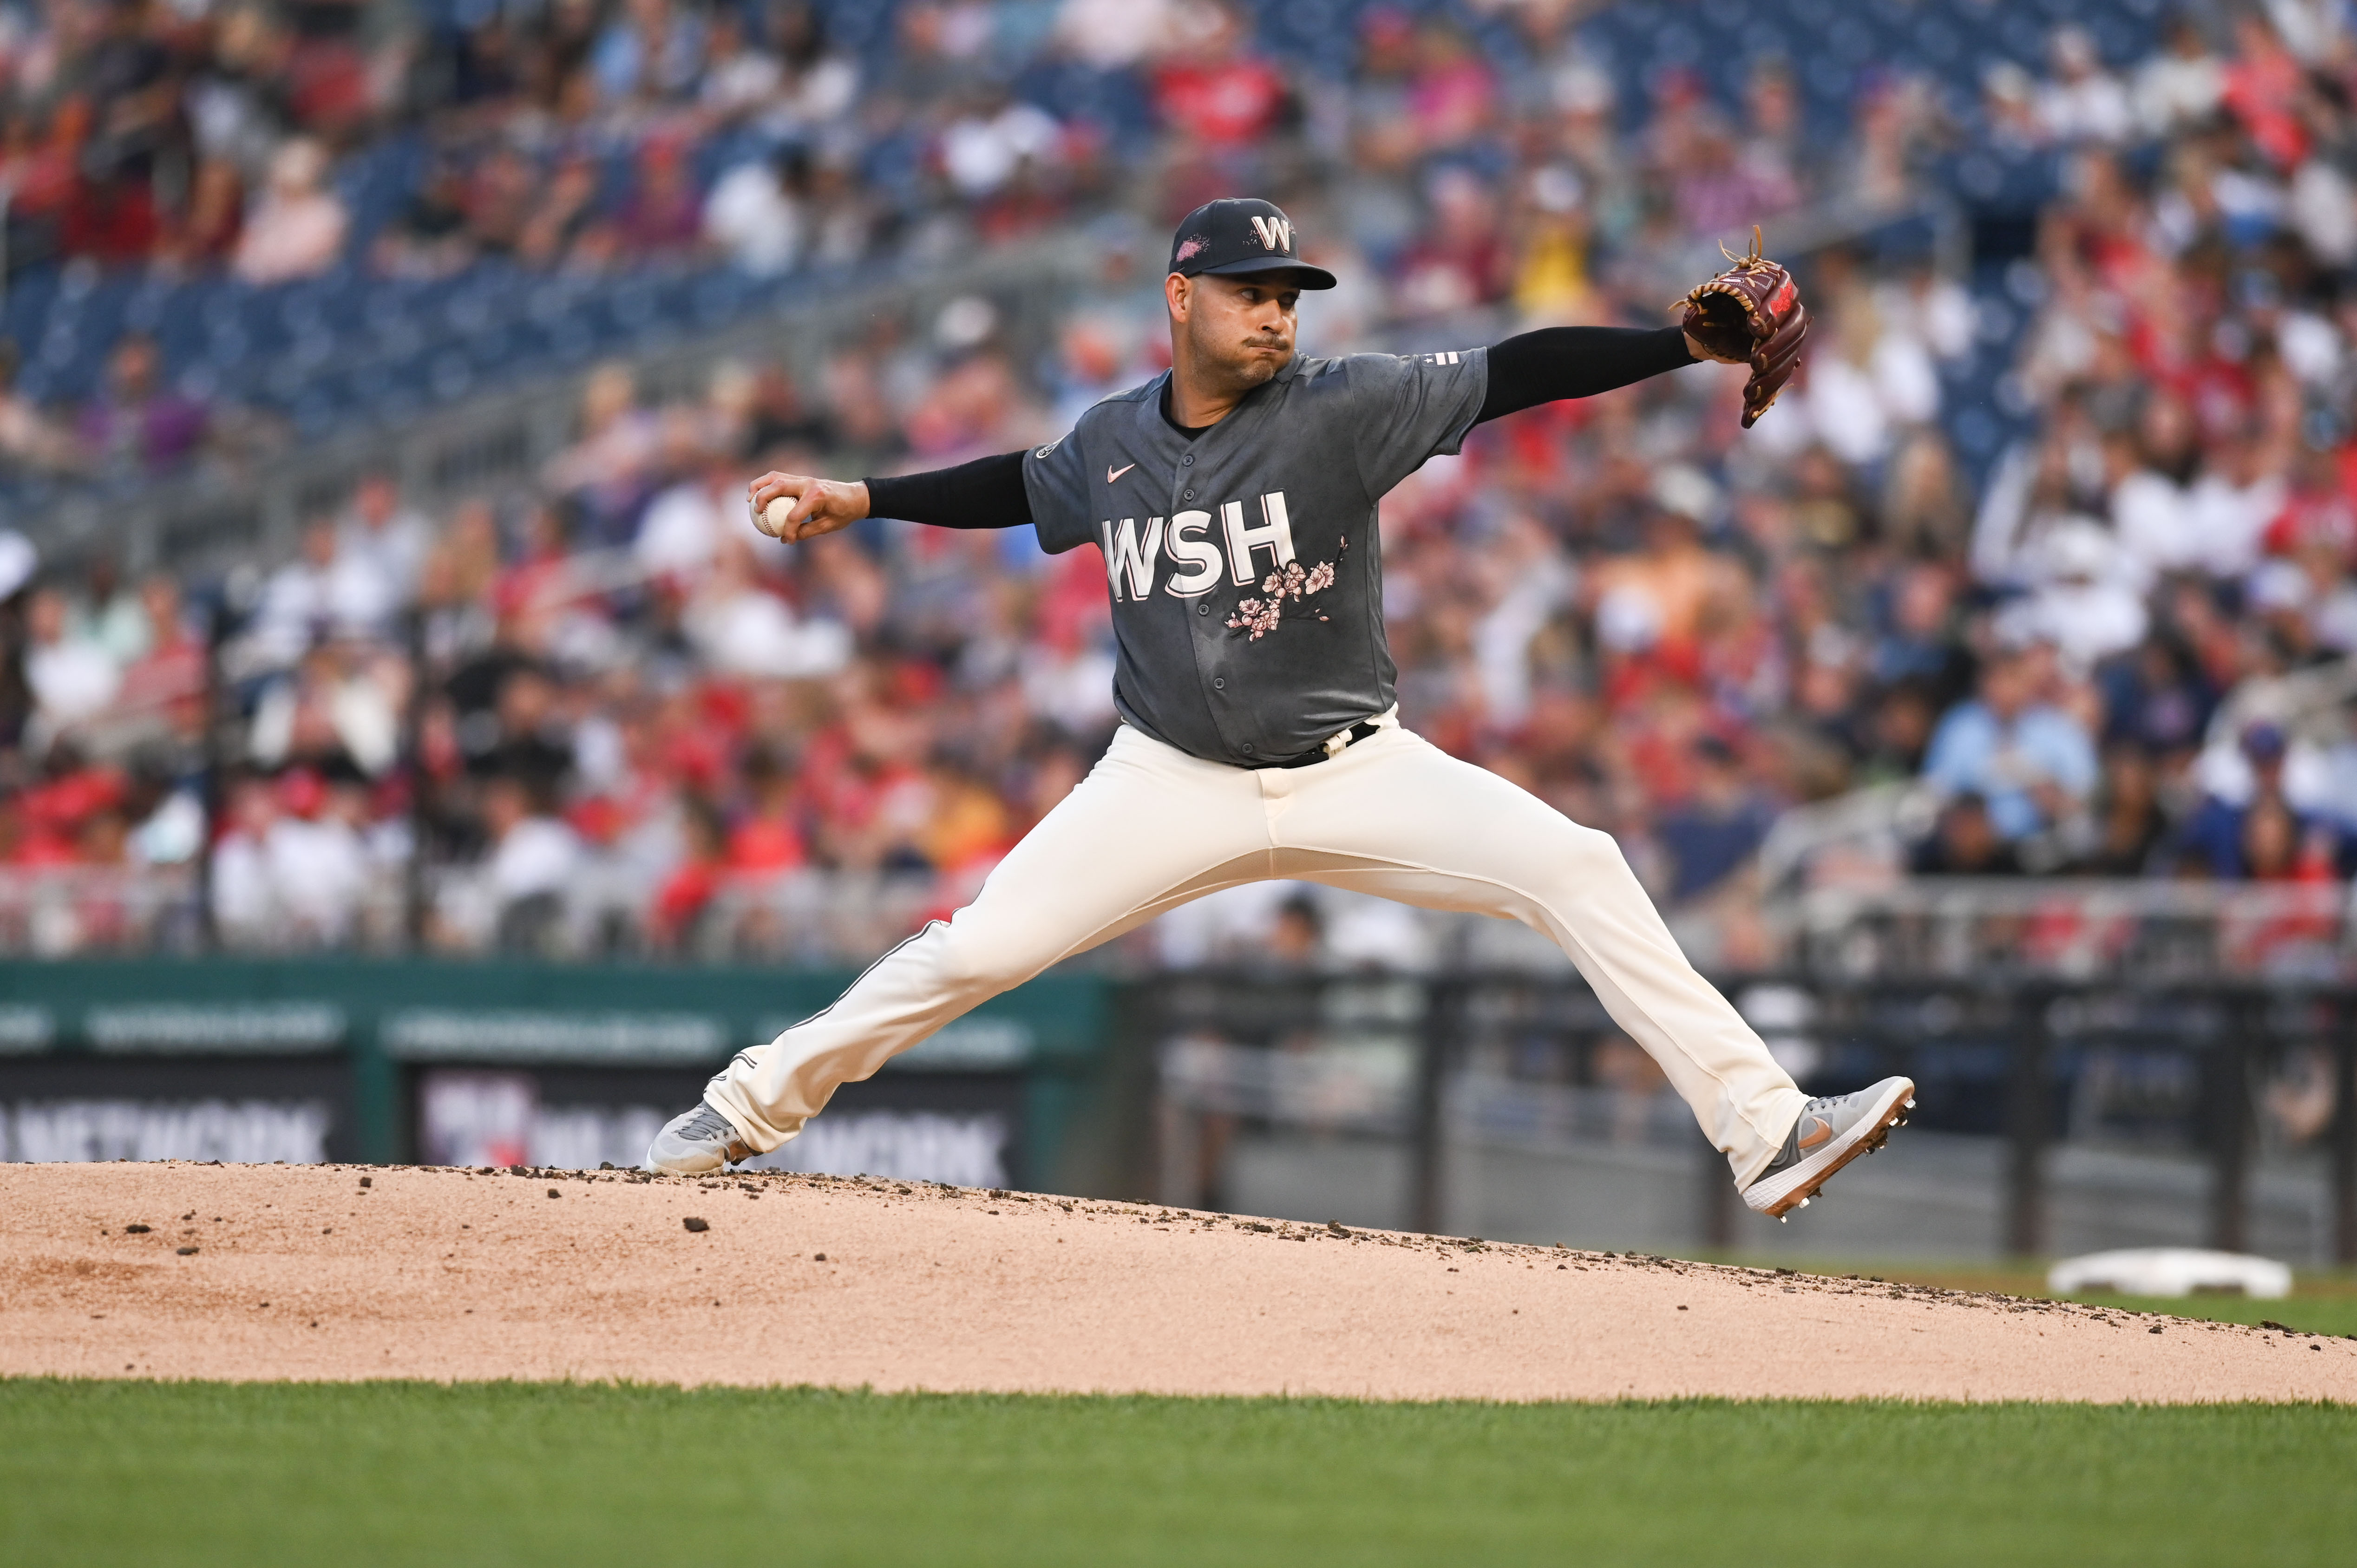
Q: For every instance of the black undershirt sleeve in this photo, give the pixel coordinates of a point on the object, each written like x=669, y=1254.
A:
x=985, y=493
x=1529, y=369
x=1552, y=362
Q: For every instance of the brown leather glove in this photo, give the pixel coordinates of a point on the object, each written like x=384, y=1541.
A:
x=1752, y=313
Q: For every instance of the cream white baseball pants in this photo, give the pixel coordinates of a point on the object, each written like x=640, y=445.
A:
x=1151, y=828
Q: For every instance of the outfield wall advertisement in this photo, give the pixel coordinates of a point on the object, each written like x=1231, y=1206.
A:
x=499, y=1064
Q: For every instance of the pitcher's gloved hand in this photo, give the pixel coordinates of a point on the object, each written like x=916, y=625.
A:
x=1751, y=314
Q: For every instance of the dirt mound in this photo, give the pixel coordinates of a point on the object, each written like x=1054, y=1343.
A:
x=345, y=1271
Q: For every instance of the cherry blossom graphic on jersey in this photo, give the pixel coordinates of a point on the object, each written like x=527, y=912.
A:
x=1260, y=617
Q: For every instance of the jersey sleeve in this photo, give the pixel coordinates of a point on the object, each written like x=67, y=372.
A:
x=1405, y=408
x=1056, y=477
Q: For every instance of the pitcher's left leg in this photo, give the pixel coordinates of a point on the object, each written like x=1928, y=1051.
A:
x=1433, y=830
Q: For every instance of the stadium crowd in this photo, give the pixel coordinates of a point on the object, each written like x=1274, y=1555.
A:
x=598, y=712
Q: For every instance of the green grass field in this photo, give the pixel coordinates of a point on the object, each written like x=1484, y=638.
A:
x=523, y=1473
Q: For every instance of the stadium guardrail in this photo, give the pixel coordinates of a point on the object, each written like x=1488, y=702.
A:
x=2216, y=1071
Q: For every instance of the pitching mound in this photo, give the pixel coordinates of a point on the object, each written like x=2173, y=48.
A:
x=181, y=1271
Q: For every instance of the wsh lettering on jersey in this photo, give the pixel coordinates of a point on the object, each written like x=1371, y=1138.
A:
x=1200, y=558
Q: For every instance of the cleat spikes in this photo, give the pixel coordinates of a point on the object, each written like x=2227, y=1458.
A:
x=1869, y=1123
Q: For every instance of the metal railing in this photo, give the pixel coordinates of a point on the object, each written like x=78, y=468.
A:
x=2085, y=929
x=66, y=911
x=2184, y=1089
x=804, y=917
x=2092, y=932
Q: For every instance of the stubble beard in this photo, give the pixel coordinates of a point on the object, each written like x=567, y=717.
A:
x=1254, y=369
x=1237, y=368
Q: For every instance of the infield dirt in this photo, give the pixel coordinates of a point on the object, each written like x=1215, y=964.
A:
x=269, y=1271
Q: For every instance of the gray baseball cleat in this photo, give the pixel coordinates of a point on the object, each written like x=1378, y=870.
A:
x=1828, y=1135
x=696, y=1143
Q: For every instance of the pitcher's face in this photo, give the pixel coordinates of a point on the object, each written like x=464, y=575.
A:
x=1239, y=330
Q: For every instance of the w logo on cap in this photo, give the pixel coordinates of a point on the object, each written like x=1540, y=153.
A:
x=1240, y=237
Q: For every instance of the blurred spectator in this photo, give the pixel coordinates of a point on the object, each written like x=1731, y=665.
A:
x=1716, y=830
x=988, y=145
x=523, y=736
x=2031, y=764
x=297, y=227
x=739, y=77
x=2083, y=102
x=662, y=214
x=1211, y=88
x=207, y=235
x=1110, y=33
x=335, y=714
x=1966, y=843
x=385, y=541
x=317, y=862
x=134, y=420
x=557, y=226
x=1295, y=937
x=29, y=438
x=604, y=471
x=2083, y=606
x=109, y=614
x=244, y=901
x=71, y=677
x=2180, y=86
x=533, y=861
x=2129, y=824
x=164, y=690
x=753, y=215
x=649, y=51
x=2257, y=833
x=299, y=605
x=680, y=904
x=430, y=238
x=290, y=871
x=169, y=823
x=740, y=627
x=680, y=531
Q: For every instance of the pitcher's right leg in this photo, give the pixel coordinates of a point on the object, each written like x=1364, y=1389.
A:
x=1148, y=828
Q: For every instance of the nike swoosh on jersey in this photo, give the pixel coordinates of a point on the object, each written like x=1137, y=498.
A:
x=1111, y=475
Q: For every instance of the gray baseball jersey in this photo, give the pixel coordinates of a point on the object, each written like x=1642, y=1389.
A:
x=1244, y=563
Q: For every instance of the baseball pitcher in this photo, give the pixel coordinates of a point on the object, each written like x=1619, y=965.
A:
x=1234, y=499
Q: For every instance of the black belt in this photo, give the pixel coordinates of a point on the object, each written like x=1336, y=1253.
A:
x=1357, y=733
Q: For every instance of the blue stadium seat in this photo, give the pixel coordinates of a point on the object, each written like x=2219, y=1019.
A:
x=349, y=346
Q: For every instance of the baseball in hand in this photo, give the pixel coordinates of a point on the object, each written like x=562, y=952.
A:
x=773, y=516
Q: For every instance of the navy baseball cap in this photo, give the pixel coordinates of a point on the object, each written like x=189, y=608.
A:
x=1237, y=236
